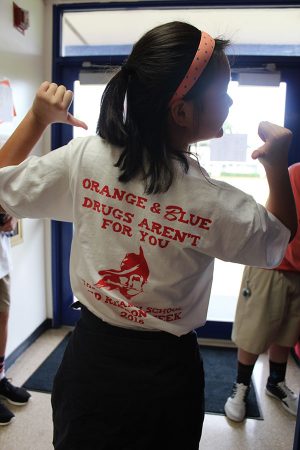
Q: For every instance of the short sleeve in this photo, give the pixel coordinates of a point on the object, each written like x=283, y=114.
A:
x=266, y=247
x=39, y=187
x=245, y=232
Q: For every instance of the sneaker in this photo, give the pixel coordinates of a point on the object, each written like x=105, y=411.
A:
x=288, y=398
x=6, y=416
x=13, y=394
x=235, y=406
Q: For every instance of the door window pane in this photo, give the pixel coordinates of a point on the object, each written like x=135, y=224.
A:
x=87, y=98
x=229, y=159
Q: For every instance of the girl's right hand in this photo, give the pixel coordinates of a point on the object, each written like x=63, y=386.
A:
x=51, y=105
x=274, y=152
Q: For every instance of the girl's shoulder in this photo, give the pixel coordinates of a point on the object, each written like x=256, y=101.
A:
x=92, y=142
x=92, y=147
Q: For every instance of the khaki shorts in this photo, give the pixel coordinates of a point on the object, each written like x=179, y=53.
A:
x=4, y=293
x=271, y=313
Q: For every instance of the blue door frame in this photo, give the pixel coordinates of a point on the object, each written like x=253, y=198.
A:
x=66, y=70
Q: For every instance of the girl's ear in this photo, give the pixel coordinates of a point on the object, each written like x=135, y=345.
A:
x=182, y=113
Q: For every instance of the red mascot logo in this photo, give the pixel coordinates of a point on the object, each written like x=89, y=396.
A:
x=130, y=278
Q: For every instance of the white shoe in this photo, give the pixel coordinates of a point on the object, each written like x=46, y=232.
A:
x=235, y=406
x=288, y=398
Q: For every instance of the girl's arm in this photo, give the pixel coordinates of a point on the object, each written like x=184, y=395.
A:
x=274, y=157
x=51, y=105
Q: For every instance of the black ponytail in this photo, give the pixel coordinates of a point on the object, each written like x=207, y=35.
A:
x=145, y=85
x=112, y=108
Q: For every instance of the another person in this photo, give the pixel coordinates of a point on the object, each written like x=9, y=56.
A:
x=8, y=392
x=268, y=318
x=148, y=223
x=296, y=352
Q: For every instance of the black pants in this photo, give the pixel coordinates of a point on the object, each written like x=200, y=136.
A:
x=119, y=389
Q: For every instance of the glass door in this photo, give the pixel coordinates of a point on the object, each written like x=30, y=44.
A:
x=88, y=90
x=88, y=87
x=229, y=159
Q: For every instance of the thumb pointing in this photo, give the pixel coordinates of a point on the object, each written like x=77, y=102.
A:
x=71, y=120
x=259, y=152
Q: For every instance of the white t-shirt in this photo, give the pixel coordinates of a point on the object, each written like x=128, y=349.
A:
x=5, y=258
x=142, y=261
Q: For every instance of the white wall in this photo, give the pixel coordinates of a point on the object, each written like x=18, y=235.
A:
x=22, y=61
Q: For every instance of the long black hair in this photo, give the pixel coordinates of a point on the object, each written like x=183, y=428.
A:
x=147, y=81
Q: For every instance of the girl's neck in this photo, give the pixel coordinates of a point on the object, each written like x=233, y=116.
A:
x=177, y=138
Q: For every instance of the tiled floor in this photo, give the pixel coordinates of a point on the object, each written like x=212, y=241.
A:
x=32, y=428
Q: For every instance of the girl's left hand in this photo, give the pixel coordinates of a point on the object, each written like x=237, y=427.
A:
x=51, y=105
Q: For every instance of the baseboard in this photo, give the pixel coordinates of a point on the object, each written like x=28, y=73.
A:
x=216, y=342
x=215, y=330
x=25, y=344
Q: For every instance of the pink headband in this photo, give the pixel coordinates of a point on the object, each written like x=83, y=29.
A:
x=202, y=57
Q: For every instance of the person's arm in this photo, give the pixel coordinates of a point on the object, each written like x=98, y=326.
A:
x=274, y=157
x=51, y=105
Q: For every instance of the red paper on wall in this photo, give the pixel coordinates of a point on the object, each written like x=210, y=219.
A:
x=7, y=109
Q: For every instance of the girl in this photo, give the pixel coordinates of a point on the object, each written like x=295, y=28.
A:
x=148, y=225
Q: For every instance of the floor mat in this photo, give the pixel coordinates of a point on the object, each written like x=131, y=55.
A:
x=220, y=372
